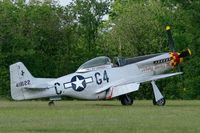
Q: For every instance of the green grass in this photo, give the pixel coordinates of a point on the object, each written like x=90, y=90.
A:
x=99, y=116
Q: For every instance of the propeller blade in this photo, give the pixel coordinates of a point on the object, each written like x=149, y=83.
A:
x=170, y=39
x=185, y=53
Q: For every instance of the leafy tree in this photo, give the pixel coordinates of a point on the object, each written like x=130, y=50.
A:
x=37, y=35
x=52, y=40
x=89, y=17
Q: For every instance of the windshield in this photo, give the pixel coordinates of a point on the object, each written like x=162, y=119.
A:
x=98, y=61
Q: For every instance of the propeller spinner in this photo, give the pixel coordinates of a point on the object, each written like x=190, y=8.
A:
x=177, y=58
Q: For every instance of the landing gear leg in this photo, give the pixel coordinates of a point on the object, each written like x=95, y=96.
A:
x=158, y=97
x=126, y=99
x=51, y=103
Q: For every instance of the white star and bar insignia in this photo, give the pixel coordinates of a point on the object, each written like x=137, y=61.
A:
x=78, y=83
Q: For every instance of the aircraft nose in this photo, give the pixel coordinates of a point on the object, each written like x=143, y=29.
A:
x=177, y=58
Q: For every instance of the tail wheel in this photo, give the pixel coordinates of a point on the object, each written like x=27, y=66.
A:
x=126, y=100
x=51, y=103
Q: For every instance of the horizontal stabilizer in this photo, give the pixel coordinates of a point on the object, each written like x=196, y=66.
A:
x=40, y=84
x=39, y=87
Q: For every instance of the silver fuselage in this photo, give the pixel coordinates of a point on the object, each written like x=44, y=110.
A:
x=94, y=84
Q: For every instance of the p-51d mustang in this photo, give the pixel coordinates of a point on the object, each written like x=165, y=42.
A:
x=99, y=78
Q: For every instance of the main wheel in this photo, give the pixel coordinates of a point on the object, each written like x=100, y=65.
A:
x=154, y=101
x=126, y=100
x=51, y=103
x=160, y=102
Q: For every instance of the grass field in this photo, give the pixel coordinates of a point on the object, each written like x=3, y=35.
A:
x=99, y=116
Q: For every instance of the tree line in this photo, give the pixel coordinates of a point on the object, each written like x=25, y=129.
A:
x=53, y=40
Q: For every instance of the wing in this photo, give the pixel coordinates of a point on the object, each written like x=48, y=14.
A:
x=122, y=89
x=135, y=80
x=161, y=76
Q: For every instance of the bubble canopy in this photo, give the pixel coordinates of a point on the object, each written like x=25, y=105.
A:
x=95, y=64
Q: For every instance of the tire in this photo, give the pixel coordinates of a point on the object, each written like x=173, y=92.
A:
x=126, y=100
x=161, y=102
x=154, y=101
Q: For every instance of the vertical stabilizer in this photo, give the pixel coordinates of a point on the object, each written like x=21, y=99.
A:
x=20, y=78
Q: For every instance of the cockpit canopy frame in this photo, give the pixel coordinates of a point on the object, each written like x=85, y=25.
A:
x=95, y=64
